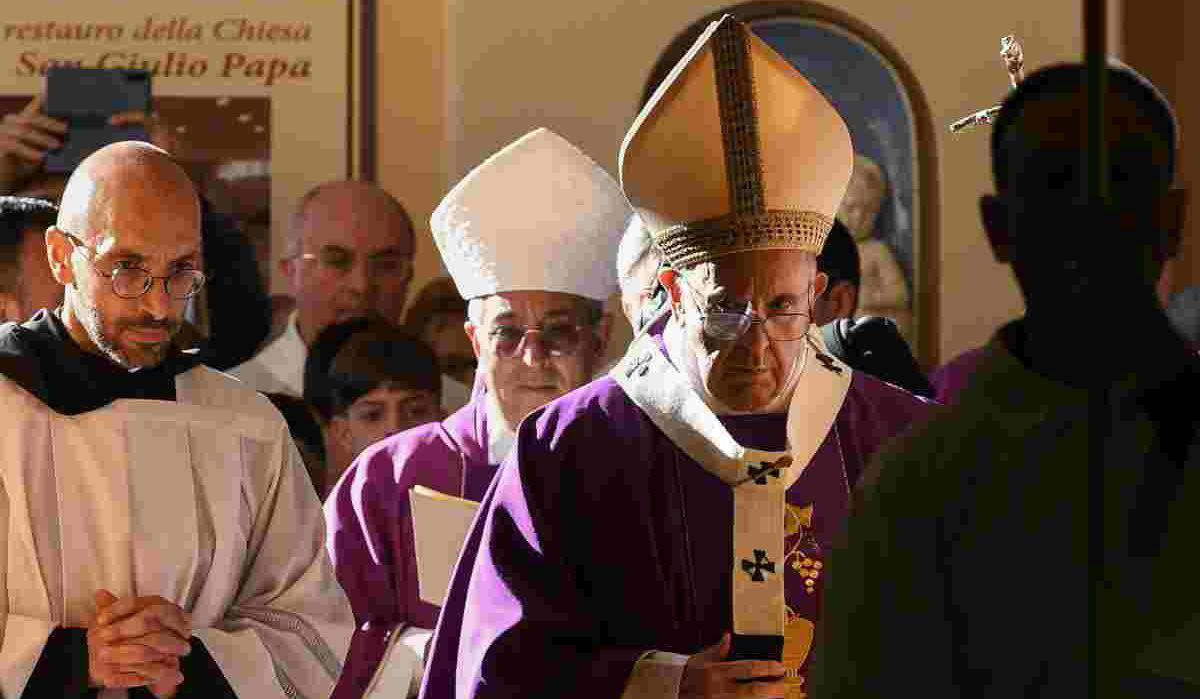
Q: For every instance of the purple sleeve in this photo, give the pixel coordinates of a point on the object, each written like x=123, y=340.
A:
x=524, y=626
x=361, y=517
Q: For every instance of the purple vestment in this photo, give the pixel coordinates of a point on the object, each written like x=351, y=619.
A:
x=951, y=378
x=371, y=532
x=600, y=540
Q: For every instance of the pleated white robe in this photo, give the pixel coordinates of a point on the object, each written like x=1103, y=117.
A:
x=203, y=501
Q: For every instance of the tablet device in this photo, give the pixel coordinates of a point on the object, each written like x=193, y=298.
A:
x=85, y=98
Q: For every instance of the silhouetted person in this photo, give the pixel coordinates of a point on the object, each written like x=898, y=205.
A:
x=966, y=570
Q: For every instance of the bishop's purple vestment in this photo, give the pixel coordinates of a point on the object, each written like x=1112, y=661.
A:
x=600, y=540
x=371, y=531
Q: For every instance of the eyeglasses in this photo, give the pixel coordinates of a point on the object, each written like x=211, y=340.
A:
x=559, y=339
x=135, y=282
x=340, y=261
x=730, y=326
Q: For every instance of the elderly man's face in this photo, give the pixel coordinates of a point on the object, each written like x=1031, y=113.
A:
x=155, y=229
x=534, y=375
x=750, y=373
x=355, y=260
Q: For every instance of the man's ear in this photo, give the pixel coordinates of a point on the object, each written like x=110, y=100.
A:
x=995, y=215
x=820, y=283
x=1172, y=215
x=287, y=267
x=58, y=254
x=10, y=308
x=842, y=300
x=339, y=429
x=670, y=281
x=469, y=329
x=603, y=333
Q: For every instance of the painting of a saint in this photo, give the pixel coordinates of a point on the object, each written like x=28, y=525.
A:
x=880, y=207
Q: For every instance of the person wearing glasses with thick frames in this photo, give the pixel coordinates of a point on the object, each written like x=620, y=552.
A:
x=194, y=543
x=661, y=531
x=528, y=238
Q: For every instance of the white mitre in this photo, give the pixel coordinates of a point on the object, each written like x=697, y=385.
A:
x=537, y=215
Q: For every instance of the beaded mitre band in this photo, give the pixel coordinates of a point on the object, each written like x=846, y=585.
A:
x=743, y=155
x=689, y=244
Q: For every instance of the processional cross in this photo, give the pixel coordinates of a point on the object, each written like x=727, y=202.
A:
x=1014, y=62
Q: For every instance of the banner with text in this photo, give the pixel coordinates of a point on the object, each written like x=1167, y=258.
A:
x=256, y=98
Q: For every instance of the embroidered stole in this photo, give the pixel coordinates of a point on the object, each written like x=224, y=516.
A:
x=759, y=479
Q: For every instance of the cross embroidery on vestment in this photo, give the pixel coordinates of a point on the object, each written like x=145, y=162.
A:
x=756, y=567
x=828, y=362
x=760, y=474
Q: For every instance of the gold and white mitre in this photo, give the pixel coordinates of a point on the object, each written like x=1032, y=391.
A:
x=537, y=215
x=735, y=151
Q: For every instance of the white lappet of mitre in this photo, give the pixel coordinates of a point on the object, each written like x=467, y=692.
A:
x=736, y=151
x=537, y=215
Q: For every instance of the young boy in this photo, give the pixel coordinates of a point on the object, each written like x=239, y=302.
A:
x=381, y=381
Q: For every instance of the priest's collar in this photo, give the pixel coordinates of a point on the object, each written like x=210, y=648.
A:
x=41, y=357
x=759, y=479
x=500, y=438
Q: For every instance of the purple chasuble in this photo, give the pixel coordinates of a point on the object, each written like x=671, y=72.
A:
x=600, y=540
x=370, y=528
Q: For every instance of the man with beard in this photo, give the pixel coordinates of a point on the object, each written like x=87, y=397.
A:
x=975, y=565
x=693, y=492
x=528, y=237
x=156, y=529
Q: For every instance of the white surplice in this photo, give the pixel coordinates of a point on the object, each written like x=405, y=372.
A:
x=203, y=501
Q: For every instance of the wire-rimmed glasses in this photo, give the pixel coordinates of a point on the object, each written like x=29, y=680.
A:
x=135, y=282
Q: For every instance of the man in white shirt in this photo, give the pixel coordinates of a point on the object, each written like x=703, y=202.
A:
x=350, y=255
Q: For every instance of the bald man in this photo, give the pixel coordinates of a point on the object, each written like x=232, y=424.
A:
x=158, y=536
x=350, y=256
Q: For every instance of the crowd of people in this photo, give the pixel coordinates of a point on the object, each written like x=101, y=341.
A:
x=206, y=491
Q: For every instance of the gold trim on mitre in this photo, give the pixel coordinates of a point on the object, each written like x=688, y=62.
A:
x=735, y=151
x=690, y=244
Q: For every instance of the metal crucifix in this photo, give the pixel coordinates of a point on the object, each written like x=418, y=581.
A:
x=1014, y=62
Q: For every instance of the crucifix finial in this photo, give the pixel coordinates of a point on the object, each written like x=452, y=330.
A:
x=1014, y=63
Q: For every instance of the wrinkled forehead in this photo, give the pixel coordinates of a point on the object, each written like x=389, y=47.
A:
x=360, y=224
x=147, y=221
x=757, y=275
